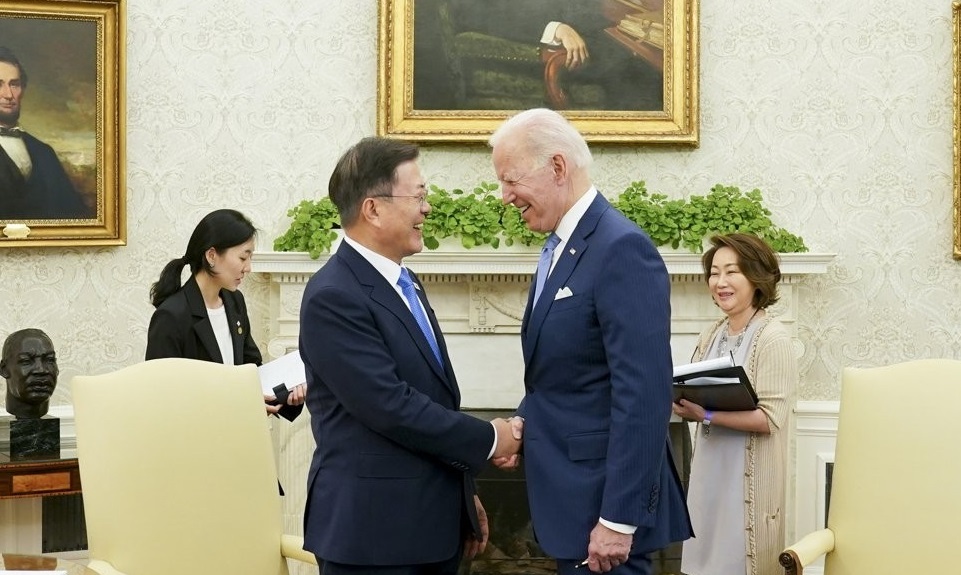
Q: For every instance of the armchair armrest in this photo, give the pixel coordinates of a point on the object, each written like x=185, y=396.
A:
x=293, y=547
x=102, y=567
x=809, y=548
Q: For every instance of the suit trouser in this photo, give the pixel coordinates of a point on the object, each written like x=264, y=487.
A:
x=639, y=564
x=448, y=567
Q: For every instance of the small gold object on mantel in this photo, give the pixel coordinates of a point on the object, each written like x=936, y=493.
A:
x=16, y=231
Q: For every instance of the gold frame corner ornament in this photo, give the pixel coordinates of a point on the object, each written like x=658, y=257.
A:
x=677, y=123
x=108, y=226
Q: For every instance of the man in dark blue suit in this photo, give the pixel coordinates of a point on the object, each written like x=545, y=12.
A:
x=601, y=481
x=33, y=183
x=391, y=485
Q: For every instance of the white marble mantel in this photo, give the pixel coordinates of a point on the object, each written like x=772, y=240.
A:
x=479, y=297
x=512, y=260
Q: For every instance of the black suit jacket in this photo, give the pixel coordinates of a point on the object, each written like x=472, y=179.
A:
x=46, y=194
x=180, y=327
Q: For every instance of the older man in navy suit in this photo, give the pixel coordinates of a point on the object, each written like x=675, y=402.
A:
x=391, y=486
x=33, y=183
x=601, y=481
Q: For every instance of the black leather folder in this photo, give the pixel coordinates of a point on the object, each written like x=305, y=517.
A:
x=723, y=389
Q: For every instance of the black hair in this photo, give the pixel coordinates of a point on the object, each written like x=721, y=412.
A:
x=368, y=169
x=220, y=230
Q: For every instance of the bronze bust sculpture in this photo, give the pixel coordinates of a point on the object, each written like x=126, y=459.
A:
x=29, y=365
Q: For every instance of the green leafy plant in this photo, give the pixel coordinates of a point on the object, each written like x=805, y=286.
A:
x=311, y=229
x=478, y=217
x=687, y=223
x=472, y=216
x=657, y=215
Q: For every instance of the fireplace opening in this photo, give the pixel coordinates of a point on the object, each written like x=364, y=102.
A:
x=512, y=548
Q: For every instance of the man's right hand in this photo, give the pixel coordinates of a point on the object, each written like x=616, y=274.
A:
x=508, y=443
x=510, y=461
x=577, y=54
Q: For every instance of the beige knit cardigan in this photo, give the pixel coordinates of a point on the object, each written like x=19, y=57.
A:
x=772, y=369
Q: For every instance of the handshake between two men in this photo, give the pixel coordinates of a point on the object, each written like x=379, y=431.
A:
x=508, y=443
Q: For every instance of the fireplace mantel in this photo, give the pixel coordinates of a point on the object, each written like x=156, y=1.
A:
x=479, y=296
x=512, y=261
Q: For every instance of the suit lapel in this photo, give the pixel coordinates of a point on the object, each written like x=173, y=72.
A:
x=441, y=343
x=233, y=326
x=575, y=247
x=202, y=327
x=385, y=295
x=11, y=178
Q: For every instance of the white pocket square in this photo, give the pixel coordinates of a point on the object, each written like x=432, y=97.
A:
x=563, y=293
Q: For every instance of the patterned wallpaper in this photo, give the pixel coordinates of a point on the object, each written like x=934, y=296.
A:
x=839, y=111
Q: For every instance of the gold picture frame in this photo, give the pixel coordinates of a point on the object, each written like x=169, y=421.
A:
x=70, y=119
x=956, y=59
x=449, y=74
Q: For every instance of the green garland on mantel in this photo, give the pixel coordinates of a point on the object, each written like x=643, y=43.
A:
x=478, y=217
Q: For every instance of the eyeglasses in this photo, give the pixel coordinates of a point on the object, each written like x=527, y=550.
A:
x=421, y=198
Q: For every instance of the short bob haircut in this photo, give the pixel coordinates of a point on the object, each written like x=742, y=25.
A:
x=757, y=262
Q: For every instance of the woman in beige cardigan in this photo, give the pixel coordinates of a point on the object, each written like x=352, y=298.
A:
x=737, y=486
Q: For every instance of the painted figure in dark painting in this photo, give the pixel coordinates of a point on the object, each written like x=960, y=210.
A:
x=465, y=45
x=33, y=183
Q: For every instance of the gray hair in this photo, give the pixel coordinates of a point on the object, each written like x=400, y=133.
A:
x=544, y=133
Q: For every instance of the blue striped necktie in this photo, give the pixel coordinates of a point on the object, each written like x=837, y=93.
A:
x=407, y=288
x=544, y=264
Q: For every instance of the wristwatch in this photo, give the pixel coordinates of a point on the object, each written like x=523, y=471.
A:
x=707, y=417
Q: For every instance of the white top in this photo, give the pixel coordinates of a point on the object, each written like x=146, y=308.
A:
x=715, y=495
x=218, y=321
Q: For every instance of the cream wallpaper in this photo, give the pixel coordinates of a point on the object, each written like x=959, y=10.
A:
x=839, y=111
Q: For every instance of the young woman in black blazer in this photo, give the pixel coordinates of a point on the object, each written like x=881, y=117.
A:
x=206, y=317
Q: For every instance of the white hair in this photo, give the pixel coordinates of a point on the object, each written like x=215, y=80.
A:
x=542, y=133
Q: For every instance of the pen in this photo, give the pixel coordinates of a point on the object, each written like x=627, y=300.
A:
x=581, y=564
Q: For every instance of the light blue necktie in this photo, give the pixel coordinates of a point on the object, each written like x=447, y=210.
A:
x=544, y=264
x=407, y=287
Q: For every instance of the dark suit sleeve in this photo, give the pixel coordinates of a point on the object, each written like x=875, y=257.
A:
x=525, y=21
x=633, y=308
x=337, y=324
x=504, y=19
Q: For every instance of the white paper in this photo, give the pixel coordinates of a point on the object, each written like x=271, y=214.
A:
x=706, y=365
x=711, y=380
x=288, y=370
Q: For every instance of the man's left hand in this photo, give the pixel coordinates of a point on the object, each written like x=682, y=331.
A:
x=607, y=549
x=474, y=546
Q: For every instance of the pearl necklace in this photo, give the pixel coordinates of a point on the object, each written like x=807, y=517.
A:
x=722, y=344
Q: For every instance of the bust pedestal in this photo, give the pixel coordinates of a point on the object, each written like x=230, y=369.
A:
x=30, y=438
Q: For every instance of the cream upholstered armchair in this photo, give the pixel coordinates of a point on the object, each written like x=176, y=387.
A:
x=896, y=487
x=178, y=472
